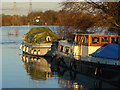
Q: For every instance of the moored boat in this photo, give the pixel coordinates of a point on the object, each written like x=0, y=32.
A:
x=77, y=55
x=86, y=44
x=41, y=49
x=39, y=41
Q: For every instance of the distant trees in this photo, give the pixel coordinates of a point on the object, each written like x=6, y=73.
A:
x=49, y=17
x=0, y=20
x=8, y=20
x=62, y=18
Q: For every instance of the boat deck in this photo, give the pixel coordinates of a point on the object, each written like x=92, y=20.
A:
x=101, y=60
x=92, y=59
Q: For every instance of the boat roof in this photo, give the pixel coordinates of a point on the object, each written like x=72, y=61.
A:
x=95, y=34
x=92, y=33
x=111, y=51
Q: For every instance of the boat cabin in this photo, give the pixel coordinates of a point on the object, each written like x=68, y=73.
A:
x=86, y=44
x=96, y=40
x=90, y=43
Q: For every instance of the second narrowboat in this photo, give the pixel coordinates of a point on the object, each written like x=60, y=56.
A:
x=79, y=55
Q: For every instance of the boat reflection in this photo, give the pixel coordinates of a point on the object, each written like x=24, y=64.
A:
x=79, y=81
x=37, y=67
x=44, y=68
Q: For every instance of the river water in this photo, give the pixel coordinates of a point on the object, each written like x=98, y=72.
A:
x=23, y=71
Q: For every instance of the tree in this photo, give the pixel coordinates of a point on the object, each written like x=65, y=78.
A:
x=110, y=11
x=50, y=17
x=32, y=18
x=77, y=20
x=6, y=20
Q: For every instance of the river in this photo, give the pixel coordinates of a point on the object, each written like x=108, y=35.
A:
x=21, y=71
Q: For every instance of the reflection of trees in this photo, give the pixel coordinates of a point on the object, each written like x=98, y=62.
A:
x=37, y=68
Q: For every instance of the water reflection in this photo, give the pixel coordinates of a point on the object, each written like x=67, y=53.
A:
x=40, y=68
x=37, y=67
x=13, y=33
x=72, y=79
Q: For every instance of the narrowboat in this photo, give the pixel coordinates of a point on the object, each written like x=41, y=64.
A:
x=39, y=41
x=79, y=55
x=40, y=49
x=86, y=44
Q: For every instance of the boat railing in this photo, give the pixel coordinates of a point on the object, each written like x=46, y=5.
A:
x=38, y=44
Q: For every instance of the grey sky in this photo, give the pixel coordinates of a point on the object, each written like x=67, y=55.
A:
x=22, y=8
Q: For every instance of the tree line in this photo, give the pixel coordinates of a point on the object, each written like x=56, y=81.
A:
x=63, y=18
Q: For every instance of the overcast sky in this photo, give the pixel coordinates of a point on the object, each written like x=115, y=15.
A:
x=22, y=8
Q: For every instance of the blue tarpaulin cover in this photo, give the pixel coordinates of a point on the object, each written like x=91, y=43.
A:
x=110, y=51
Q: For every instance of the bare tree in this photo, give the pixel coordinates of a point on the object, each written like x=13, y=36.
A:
x=109, y=11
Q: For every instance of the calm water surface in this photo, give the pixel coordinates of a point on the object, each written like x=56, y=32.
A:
x=23, y=71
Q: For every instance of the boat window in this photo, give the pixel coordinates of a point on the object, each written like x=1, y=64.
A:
x=76, y=39
x=71, y=50
x=61, y=48
x=85, y=40
x=66, y=50
x=105, y=39
x=82, y=41
x=95, y=40
x=114, y=40
x=48, y=39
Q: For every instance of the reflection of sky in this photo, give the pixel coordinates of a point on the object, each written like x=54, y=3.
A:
x=22, y=8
